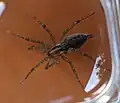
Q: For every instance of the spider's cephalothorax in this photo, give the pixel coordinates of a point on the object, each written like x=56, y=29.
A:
x=56, y=52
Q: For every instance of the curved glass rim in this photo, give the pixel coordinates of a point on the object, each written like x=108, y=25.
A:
x=112, y=15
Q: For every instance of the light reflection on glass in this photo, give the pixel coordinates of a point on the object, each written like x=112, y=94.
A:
x=62, y=99
x=95, y=79
x=2, y=7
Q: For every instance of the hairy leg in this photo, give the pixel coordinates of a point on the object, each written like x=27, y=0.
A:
x=48, y=65
x=52, y=62
x=86, y=55
x=42, y=47
x=33, y=69
x=73, y=69
x=27, y=38
x=33, y=47
x=82, y=53
x=65, y=32
x=46, y=29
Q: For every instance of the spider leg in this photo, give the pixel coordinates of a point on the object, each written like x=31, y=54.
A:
x=27, y=38
x=42, y=47
x=46, y=29
x=38, y=47
x=33, y=47
x=73, y=69
x=33, y=69
x=52, y=62
x=65, y=32
x=86, y=55
x=48, y=65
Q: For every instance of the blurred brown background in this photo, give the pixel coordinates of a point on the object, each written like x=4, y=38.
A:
x=44, y=86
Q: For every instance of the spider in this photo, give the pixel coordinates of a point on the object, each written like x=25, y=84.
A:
x=67, y=44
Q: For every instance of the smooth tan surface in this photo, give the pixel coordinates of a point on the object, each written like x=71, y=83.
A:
x=44, y=86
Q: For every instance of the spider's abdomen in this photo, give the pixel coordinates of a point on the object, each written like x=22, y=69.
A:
x=74, y=41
